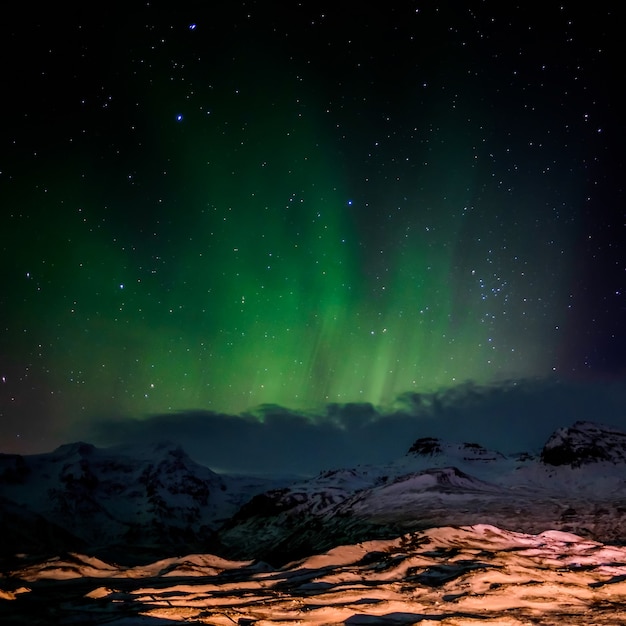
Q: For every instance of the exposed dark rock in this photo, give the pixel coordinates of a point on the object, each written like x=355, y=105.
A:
x=426, y=446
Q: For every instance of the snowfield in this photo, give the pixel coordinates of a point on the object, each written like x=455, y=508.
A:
x=448, y=576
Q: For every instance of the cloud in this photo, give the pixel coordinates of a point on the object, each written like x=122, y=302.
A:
x=270, y=440
x=511, y=416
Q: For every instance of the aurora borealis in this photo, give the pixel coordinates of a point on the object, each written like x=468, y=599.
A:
x=300, y=204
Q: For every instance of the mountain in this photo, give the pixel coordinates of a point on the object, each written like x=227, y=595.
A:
x=135, y=500
x=584, y=443
x=136, y=503
x=443, y=483
x=431, y=447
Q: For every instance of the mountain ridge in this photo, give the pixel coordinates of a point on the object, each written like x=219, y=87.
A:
x=152, y=498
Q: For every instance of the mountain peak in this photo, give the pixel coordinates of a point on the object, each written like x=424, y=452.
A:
x=79, y=448
x=434, y=447
x=150, y=449
x=426, y=446
x=585, y=442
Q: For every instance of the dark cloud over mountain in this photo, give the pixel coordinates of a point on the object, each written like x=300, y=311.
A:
x=508, y=417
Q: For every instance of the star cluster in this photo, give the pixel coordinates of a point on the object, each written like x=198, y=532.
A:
x=308, y=203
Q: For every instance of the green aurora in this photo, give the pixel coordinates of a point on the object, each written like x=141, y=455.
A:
x=252, y=272
x=249, y=241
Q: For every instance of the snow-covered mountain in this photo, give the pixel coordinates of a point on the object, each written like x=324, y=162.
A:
x=584, y=443
x=136, y=503
x=131, y=499
x=442, y=483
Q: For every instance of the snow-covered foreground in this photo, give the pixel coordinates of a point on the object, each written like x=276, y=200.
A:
x=446, y=576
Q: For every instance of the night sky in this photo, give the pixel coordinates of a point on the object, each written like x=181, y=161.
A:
x=218, y=206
